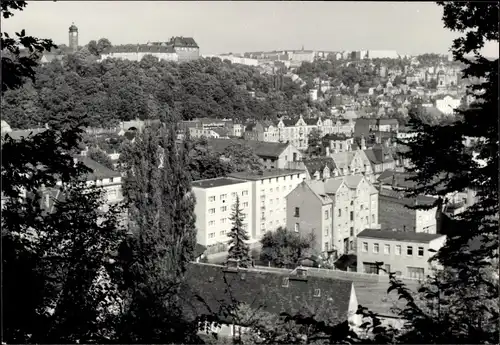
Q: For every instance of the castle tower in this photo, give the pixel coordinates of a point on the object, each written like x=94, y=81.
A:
x=73, y=38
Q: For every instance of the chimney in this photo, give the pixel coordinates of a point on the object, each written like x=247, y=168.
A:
x=327, y=151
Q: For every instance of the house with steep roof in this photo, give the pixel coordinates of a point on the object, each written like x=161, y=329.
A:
x=272, y=155
x=212, y=290
x=320, y=168
x=334, y=210
x=380, y=158
x=352, y=163
x=406, y=253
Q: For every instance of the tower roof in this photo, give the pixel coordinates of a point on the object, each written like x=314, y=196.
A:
x=73, y=27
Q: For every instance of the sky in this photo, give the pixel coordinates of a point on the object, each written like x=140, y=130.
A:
x=225, y=26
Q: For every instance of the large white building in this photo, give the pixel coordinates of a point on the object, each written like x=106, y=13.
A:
x=269, y=191
x=215, y=199
x=447, y=105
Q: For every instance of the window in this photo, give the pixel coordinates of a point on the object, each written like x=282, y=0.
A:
x=409, y=250
x=317, y=293
x=352, y=202
x=285, y=282
x=420, y=251
x=416, y=272
x=340, y=212
x=245, y=204
x=277, y=179
x=223, y=209
x=398, y=249
x=271, y=201
x=375, y=248
x=277, y=189
x=262, y=215
x=245, y=226
x=223, y=232
x=211, y=235
x=370, y=268
x=387, y=248
x=327, y=246
x=270, y=190
x=326, y=214
x=244, y=193
x=223, y=220
x=211, y=223
x=223, y=196
x=262, y=226
x=352, y=216
x=262, y=192
x=277, y=200
x=327, y=230
x=351, y=245
x=211, y=211
x=211, y=198
x=297, y=227
x=366, y=219
x=351, y=231
x=233, y=194
x=297, y=212
x=365, y=247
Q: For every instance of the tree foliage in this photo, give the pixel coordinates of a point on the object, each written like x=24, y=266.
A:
x=162, y=241
x=121, y=90
x=284, y=248
x=101, y=157
x=238, y=248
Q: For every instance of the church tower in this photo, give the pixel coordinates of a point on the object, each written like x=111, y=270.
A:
x=73, y=38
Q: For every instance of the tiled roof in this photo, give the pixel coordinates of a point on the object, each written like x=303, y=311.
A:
x=352, y=181
x=99, y=171
x=399, y=197
x=388, y=177
x=336, y=136
x=405, y=236
x=181, y=41
x=318, y=188
x=379, y=154
x=261, y=148
x=264, y=290
x=139, y=48
x=216, y=182
x=223, y=132
x=343, y=159
x=289, y=123
x=318, y=164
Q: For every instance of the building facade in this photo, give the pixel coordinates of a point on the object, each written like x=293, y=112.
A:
x=215, y=199
x=405, y=253
x=394, y=213
x=335, y=210
x=269, y=191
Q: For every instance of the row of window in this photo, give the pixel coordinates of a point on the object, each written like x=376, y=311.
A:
x=225, y=208
x=222, y=232
x=398, y=248
x=212, y=198
x=271, y=190
x=277, y=179
x=222, y=221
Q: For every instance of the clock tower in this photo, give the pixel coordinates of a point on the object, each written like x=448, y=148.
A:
x=73, y=38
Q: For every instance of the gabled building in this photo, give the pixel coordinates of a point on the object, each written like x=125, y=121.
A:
x=320, y=168
x=380, y=158
x=208, y=289
x=353, y=163
x=335, y=210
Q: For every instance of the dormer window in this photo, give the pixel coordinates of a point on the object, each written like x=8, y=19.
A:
x=317, y=293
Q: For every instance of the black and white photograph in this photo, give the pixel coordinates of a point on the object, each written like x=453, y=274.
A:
x=250, y=172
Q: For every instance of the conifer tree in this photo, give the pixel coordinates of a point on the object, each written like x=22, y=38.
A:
x=238, y=248
x=162, y=240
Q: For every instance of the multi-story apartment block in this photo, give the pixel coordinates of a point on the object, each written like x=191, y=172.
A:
x=215, y=199
x=220, y=133
x=269, y=190
x=334, y=210
x=272, y=155
x=406, y=253
x=296, y=132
